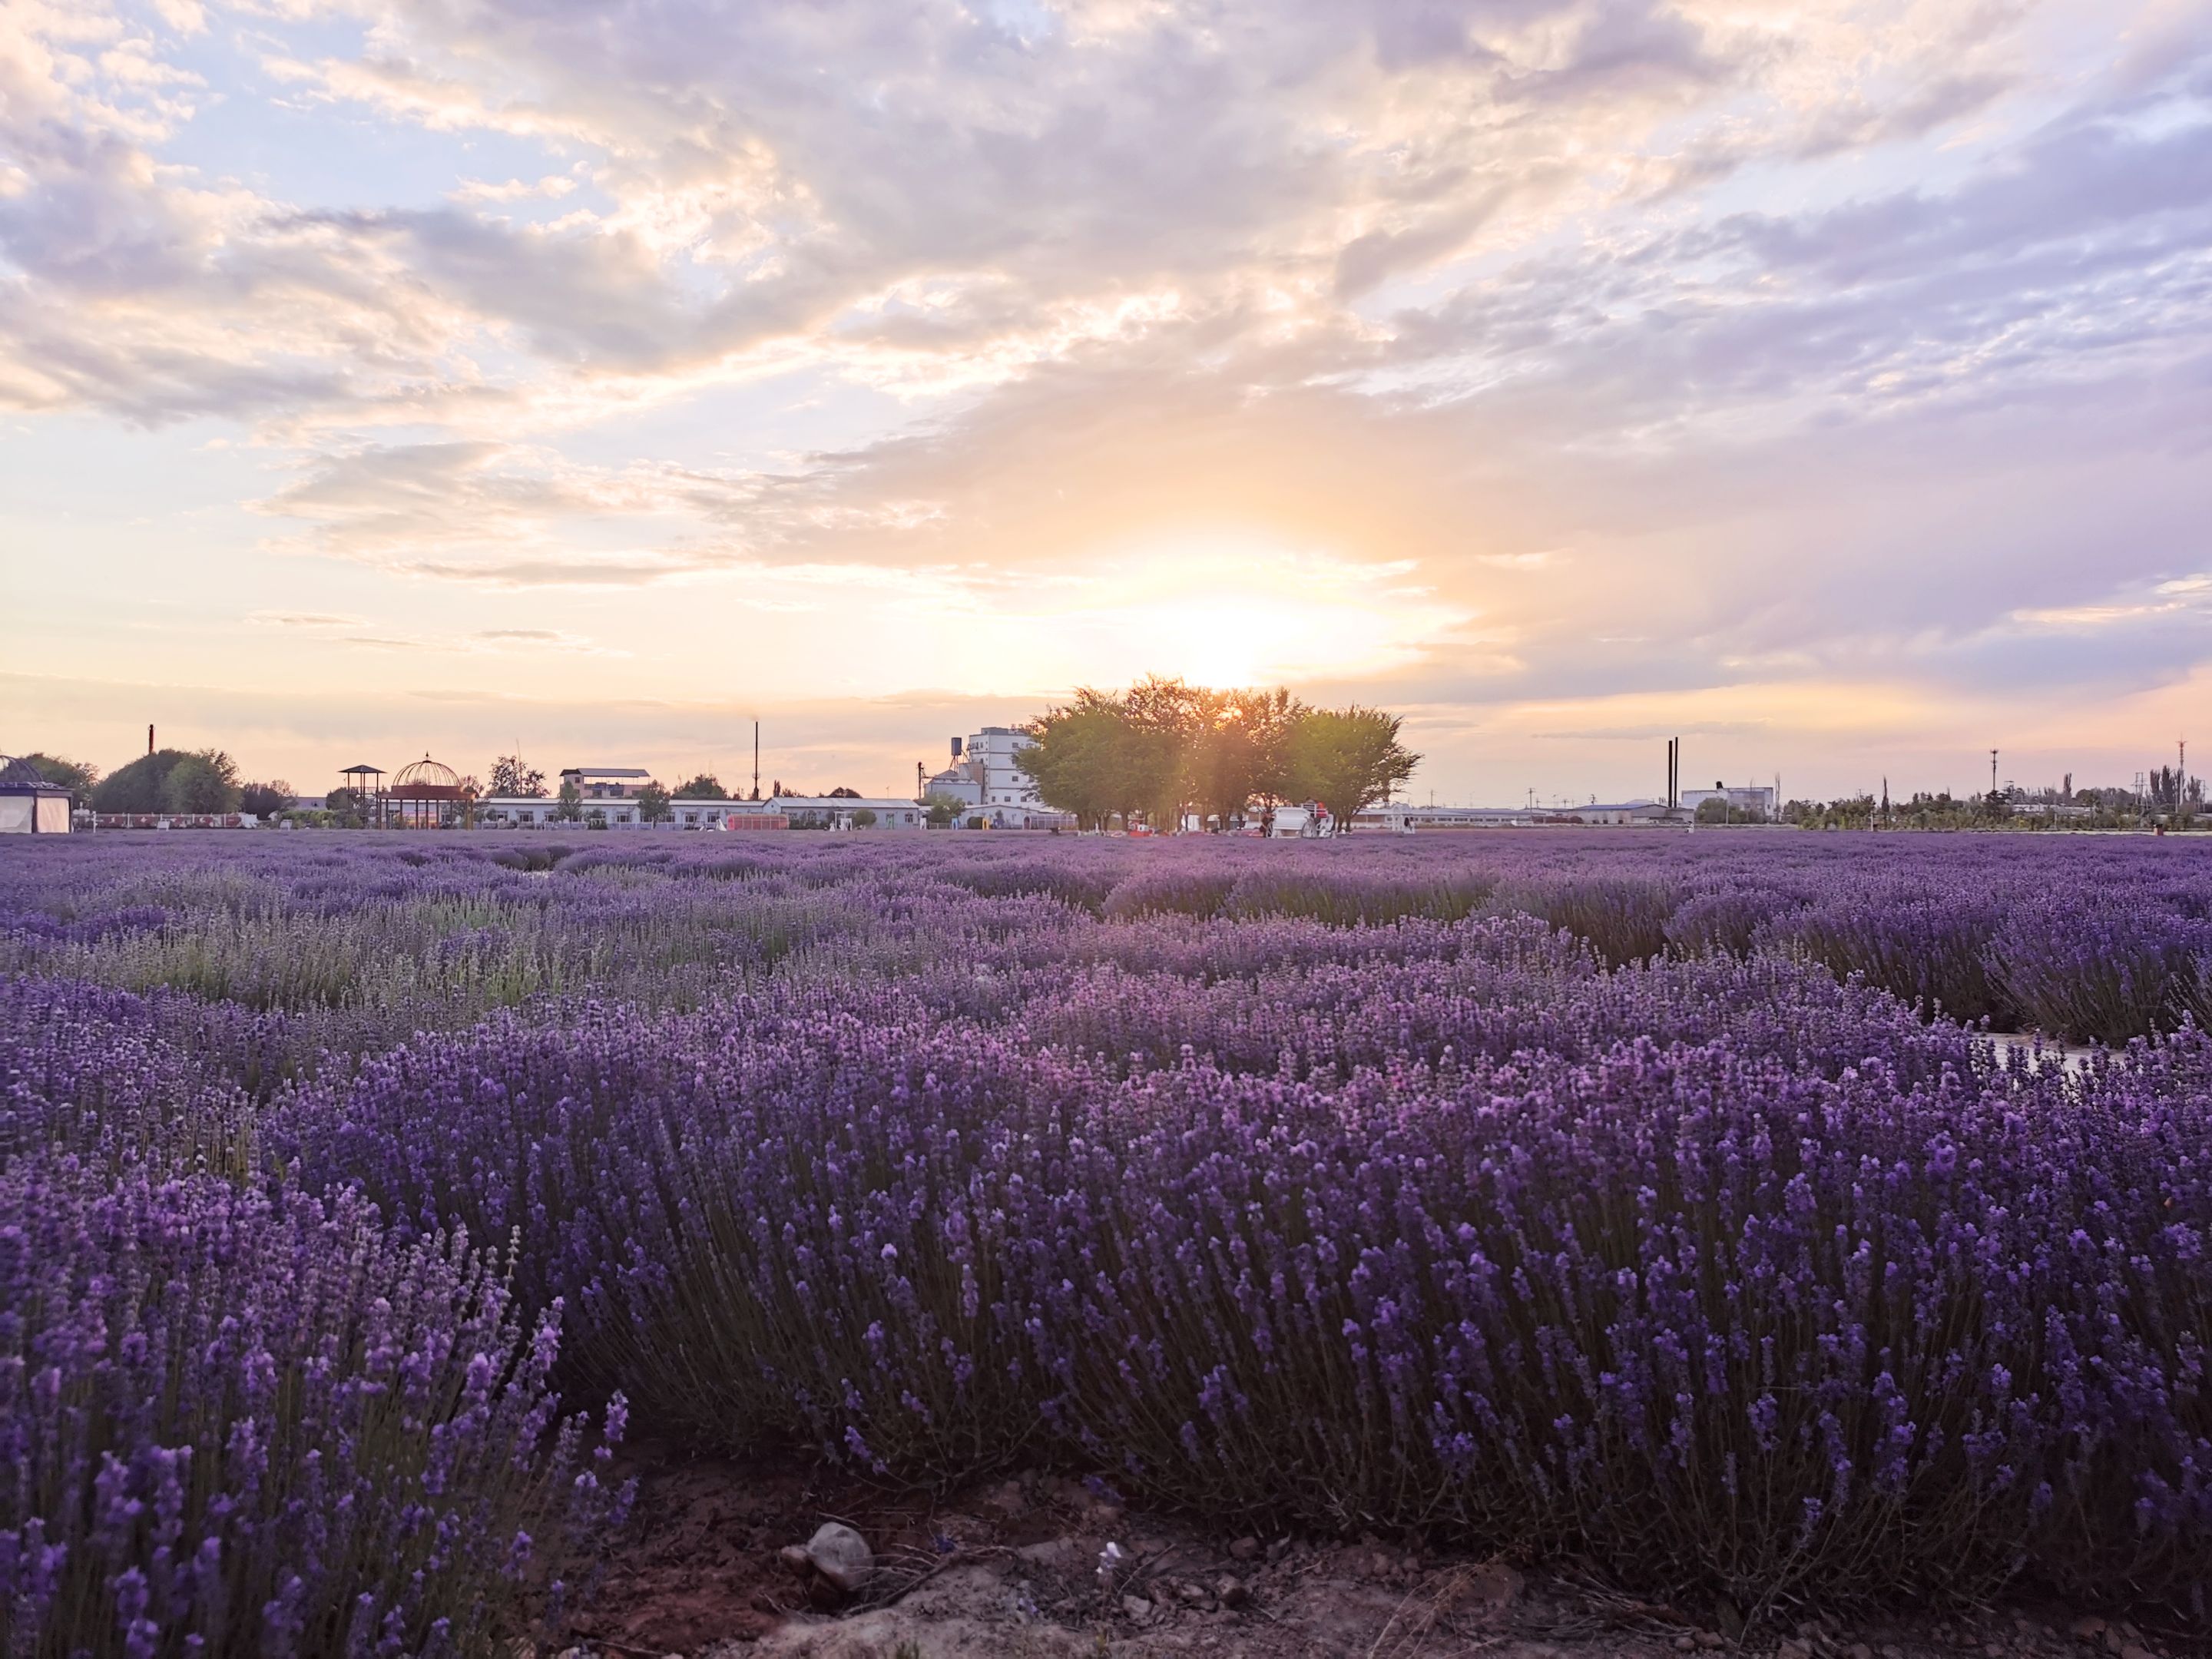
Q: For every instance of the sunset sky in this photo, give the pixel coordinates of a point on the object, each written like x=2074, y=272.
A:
x=1828, y=384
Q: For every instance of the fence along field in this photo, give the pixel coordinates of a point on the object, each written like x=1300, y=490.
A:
x=1641, y=1199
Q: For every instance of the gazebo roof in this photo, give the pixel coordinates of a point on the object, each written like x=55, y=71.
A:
x=349, y=771
x=20, y=777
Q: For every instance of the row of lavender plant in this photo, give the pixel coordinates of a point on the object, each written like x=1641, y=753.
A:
x=1513, y=1190
x=360, y=941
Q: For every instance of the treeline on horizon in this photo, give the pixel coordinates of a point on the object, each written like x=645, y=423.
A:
x=1159, y=752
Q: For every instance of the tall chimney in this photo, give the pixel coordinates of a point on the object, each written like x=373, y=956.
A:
x=149, y=737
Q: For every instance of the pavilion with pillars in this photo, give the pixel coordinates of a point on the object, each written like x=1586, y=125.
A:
x=427, y=794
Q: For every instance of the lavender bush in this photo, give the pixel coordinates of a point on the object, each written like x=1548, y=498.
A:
x=240, y=1422
x=1635, y=1197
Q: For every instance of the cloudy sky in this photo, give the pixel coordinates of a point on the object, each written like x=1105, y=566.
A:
x=1828, y=383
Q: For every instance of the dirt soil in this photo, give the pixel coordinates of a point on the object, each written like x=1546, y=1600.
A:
x=1042, y=1568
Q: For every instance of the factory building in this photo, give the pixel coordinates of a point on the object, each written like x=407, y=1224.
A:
x=987, y=771
x=1752, y=800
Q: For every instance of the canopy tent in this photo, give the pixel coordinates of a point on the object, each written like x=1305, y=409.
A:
x=29, y=804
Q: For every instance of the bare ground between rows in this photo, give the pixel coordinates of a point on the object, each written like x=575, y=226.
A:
x=1014, y=1568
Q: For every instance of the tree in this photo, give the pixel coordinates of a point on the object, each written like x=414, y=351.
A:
x=941, y=811
x=571, y=807
x=267, y=801
x=347, y=809
x=142, y=786
x=841, y=794
x=205, y=782
x=509, y=776
x=1347, y=759
x=1164, y=719
x=652, y=802
x=78, y=777
x=1076, y=759
x=705, y=787
x=1241, y=751
x=863, y=818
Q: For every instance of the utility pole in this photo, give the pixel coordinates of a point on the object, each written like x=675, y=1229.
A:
x=1993, y=771
x=756, y=760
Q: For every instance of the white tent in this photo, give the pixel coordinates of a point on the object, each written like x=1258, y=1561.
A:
x=29, y=805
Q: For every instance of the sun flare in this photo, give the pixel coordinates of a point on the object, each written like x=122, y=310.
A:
x=1240, y=616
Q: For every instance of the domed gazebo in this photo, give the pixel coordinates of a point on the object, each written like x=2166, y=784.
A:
x=426, y=795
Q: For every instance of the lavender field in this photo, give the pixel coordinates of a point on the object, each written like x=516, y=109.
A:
x=1656, y=1201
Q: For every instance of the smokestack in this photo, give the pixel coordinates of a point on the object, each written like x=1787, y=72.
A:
x=920, y=783
x=756, y=760
x=149, y=737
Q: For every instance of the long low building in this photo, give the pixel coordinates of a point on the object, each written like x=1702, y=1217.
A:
x=796, y=811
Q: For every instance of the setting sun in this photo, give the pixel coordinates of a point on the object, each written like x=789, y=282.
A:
x=1244, y=615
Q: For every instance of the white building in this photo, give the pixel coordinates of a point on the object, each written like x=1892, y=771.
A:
x=798, y=812
x=987, y=771
x=607, y=782
x=1755, y=798
x=838, y=811
x=527, y=811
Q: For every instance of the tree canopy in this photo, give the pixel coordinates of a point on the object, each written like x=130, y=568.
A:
x=705, y=787
x=1166, y=749
x=171, y=781
x=1347, y=759
x=267, y=801
x=510, y=776
x=78, y=777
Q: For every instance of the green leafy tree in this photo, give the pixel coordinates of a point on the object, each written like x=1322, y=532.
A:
x=1240, y=752
x=652, y=802
x=144, y=785
x=705, y=787
x=1076, y=758
x=1347, y=759
x=1164, y=719
x=346, y=808
x=863, y=818
x=267, y=801
x=78, y=777
x=570, y=802
x=941, y=811
x=510, y=776
x=205, y=782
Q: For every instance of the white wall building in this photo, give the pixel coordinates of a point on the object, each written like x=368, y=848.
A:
x=803, y=811
x=986, y=772
x=1756, y=798
x=607, y=782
